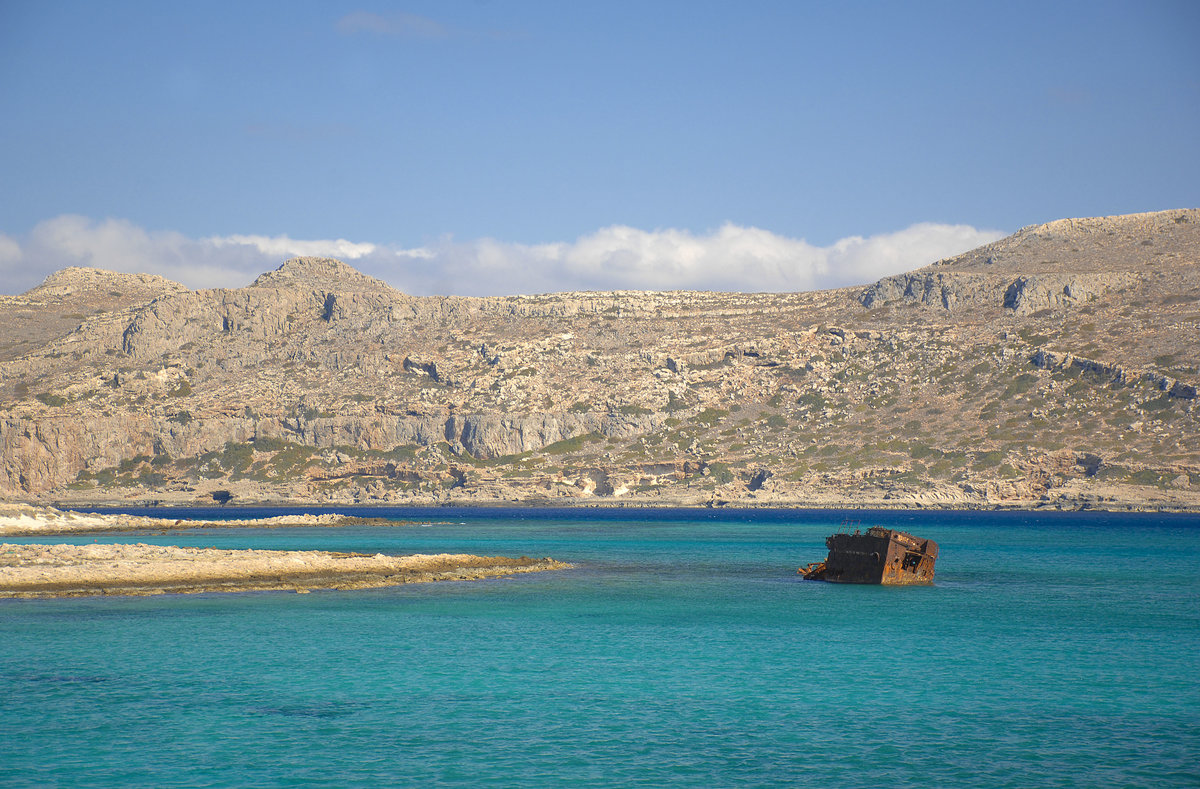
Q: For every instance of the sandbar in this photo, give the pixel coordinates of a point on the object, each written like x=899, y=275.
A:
x=140, y=569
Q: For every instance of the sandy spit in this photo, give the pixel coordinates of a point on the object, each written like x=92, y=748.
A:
x=79, y=570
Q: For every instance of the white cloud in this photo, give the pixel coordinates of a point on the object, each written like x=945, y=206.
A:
x=731, y=257
x=120, y=245
x=282, y=246
x=10, y=251
x=860, y=260
x=11, y=265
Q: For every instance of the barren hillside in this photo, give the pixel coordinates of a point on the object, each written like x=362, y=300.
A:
x=1056, y=367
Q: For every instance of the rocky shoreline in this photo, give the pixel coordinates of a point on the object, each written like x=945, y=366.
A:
x=1075, y=495
x=25, y=520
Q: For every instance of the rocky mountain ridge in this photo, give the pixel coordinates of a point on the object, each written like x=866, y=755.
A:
x=1056, y=367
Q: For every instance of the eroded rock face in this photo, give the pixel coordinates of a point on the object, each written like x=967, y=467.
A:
x=1024, y=295
x=1030, y=294
x=1113, y=374
x=70, y=300
x=45, y=453
x=942, y=289
x=494, y=436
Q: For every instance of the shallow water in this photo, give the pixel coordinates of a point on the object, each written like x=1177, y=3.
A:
x=1054, y=650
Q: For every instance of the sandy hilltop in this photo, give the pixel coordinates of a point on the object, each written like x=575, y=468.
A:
x=1053, y=368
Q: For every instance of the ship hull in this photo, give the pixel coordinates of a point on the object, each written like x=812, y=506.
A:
x=880, y=556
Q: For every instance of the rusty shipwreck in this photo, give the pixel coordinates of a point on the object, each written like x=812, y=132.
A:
x=878, y=556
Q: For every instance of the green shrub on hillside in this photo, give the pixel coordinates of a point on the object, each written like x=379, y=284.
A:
x=720, y=472
x=573, y=444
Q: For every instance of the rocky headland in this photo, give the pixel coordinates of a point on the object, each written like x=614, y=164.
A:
x=1053, y=368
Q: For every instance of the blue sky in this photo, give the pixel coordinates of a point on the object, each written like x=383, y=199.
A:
x=488, y=147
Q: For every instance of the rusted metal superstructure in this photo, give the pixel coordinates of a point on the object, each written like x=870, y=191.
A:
x=878, y=556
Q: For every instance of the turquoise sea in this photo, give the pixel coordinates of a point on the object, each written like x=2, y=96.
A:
x=1054, y=650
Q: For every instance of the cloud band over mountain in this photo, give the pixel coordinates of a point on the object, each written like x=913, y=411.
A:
x=730, y=258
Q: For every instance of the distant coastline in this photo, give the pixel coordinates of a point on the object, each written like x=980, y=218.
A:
x=1115, y=499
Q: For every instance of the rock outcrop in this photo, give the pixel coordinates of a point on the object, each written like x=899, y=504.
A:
x=1052, y=291
x=948, y=290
